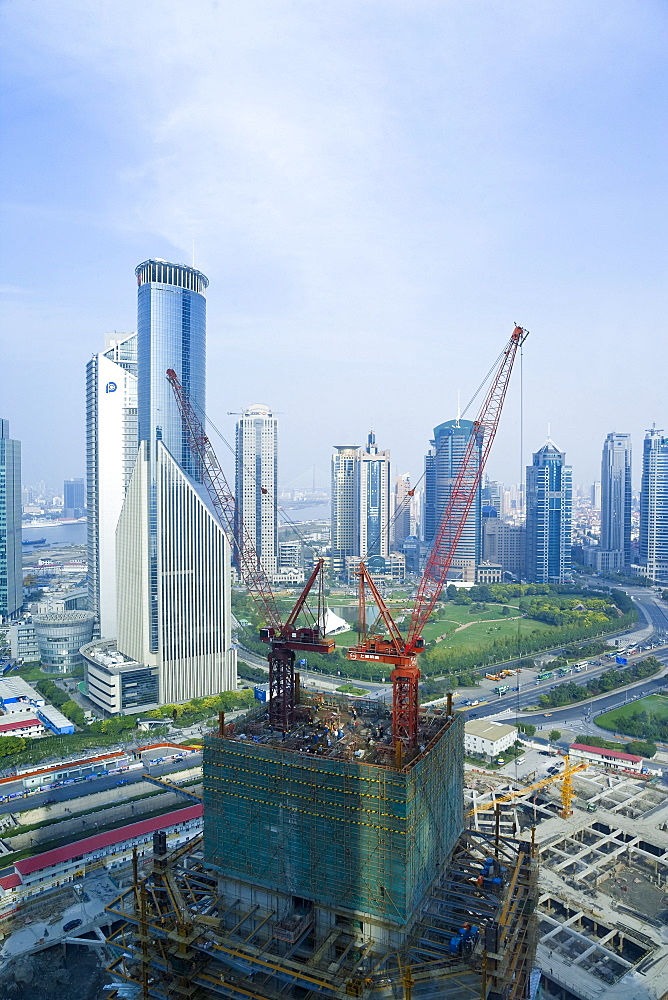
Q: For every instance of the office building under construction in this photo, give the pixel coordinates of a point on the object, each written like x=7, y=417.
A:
x=332, y=865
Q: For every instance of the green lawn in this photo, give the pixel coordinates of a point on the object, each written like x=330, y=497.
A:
x=657, y=704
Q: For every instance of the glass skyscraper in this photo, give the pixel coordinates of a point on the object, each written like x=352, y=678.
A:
x=615, y=546
x=11, y=568
x=549, y=500
x=442, y=465
x=374, y=500
x=172, y=558
x=171, y=333
x=654, y=506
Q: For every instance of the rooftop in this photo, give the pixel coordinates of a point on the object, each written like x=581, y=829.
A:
x=488, y=730
x=602, y=752
x=338, y=728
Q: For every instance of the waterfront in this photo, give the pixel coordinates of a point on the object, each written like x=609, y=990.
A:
x=73, y=533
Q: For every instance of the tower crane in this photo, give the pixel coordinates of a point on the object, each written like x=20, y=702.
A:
x=567, y=793
x=283, y=638
x=393, y=648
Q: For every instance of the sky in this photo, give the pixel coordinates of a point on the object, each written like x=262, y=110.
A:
x=378, y=190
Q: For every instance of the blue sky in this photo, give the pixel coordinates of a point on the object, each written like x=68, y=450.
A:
x=377, y=190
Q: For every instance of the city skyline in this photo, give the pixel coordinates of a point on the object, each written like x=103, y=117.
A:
x=352, y=218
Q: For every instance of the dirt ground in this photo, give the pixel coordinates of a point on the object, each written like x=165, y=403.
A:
x=60, y=973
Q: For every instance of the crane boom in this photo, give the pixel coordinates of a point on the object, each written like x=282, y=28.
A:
x=464, y=490
x=282, y=639
x=400, y=652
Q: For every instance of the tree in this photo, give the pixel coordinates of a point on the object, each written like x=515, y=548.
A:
x=526, y=728
x=641, y=748
x=555, y=735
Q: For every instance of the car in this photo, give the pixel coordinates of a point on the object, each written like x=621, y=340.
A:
x=552, y=770
x=70, y=925
x=545, y=753
x=548, y=715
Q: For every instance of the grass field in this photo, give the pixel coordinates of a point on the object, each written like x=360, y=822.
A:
x=613, y=721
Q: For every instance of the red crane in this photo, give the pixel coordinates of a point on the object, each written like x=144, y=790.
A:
x=394, y=648
x=283, y=639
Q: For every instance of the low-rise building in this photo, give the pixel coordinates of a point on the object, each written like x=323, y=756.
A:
x=41, y=872
x=60, y=637
x=18, y=724
x=488, y=738
x=23, y=642
x=606, y=758
x=115, y=682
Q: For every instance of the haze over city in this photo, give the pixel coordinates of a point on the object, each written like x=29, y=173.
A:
x=376, y=191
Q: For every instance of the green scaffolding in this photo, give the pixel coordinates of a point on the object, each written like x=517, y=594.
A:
x=345, y=834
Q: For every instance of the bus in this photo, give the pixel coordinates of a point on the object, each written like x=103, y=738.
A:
x=501, y=689
x=545, y=675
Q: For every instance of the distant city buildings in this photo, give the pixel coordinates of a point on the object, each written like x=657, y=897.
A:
x=111, y=451
x=173, y=612
x=614, y=552
x=256, y=481
x=11, y=569
x=442, y=464
x=401, y=510
x=360, y=504
x=549, y=498
x=654, y=507
x=74, y=500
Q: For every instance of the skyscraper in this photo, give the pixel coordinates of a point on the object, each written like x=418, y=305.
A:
x=11, y=568
x=654, y=506
x=256, y=481
x=173, y=559
x=374, y=514
x=442, y=464
x=615, y=545
x=345, y=505
x=401, y=510
x=111, y=451
x=549, y=500
x=73, y=498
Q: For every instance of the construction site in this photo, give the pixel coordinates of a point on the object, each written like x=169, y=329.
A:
x=603, y=903
x=327, y=870
x=335, y=860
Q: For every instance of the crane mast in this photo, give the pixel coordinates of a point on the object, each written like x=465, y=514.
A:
x=283, y=639
x=400, y=652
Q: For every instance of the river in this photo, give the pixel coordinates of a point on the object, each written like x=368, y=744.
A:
x=58, y=534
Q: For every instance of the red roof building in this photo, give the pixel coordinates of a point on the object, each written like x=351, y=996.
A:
x=602, y=752
x=80, y=849
x=10, y=728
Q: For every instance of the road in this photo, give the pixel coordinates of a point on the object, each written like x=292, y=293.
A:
x=90, y=785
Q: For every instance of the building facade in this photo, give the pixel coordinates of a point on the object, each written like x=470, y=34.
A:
x=549, y=501
x=654, y=506
x=505, y=545
x=256, y=481
x=442, y=465
x=173, y=613
x=111, y=450
x=11, y=568
x=374, y=513
x=74, y=498
x=616, y=496
x=488, y=738
x=345, y=505
x=60, y=637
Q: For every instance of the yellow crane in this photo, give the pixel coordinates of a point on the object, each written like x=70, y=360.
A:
x=567, y=793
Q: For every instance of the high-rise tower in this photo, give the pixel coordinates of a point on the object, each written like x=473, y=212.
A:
x=615, y=546
x=549, y=500
x=442, y=464
x=374, y=516
x=345, y=505
x=111, y=450
x=654, y=506
x=173, y=559
x=401, y=510
x=11, y=569
x=256, y=481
